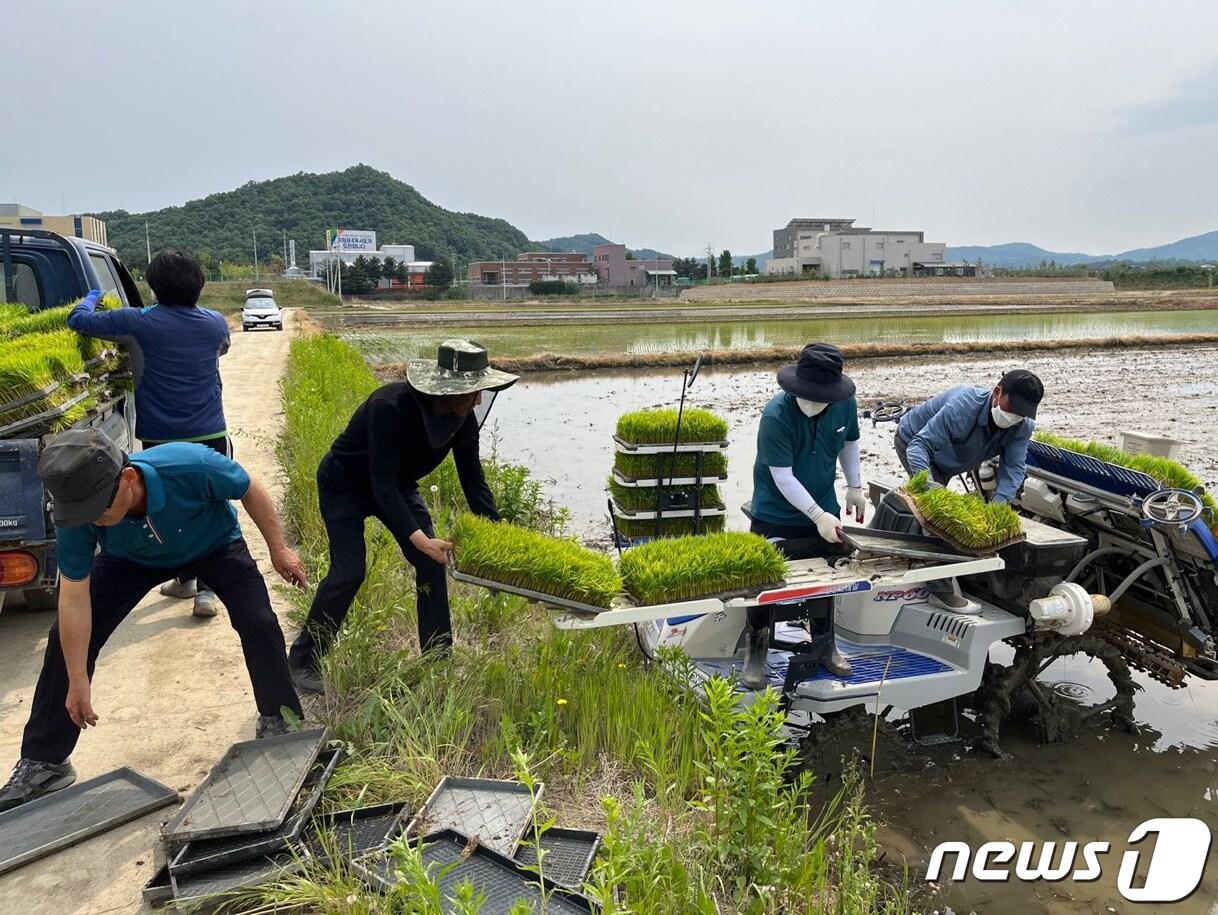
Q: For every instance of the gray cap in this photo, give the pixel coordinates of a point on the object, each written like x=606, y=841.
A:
x=80, y=468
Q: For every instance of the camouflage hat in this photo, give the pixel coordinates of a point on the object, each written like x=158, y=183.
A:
x=461, y=367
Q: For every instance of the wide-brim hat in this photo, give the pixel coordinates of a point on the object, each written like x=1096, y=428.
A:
x=818, y=375
x=461, y=367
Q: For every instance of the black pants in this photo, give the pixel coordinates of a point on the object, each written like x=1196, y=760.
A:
x=344, y=512
x=115, y=587
x=225, y=446
x=797, y=543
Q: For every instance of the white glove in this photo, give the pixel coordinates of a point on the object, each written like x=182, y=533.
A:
x=828, y=527
x=857, y=501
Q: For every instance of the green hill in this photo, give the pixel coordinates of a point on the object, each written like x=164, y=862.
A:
x=305, y=205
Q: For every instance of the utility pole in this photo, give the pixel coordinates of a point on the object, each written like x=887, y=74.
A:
x=710, y=264
x=255, y=252
x=285, y=248
x=147, y=241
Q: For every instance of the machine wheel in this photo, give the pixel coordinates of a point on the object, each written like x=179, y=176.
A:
x=1008, y=691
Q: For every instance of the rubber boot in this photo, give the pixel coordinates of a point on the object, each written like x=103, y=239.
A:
x=756, y=651
x=834, y=661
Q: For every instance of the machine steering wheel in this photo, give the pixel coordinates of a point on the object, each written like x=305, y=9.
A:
x=1172, y=507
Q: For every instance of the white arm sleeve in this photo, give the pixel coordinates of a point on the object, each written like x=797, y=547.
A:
x=793, y=491
x=852, y=464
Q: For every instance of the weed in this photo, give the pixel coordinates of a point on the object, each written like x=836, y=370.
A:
x=659, y=427
x=689, y=567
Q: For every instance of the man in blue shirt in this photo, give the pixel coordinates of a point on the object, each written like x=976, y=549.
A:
x=123, y=524
x=954, y=432
x=175, y=349
x=806, y=429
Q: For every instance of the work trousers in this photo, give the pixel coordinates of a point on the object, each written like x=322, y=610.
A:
x=344, y=512
x=115, y=587
x=225, y=446
x=797, y=543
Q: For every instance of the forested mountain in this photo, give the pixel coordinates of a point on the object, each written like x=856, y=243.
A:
x=305, y=205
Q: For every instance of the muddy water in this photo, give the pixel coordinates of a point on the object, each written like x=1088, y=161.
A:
x=392, y=345
x=1097, y=788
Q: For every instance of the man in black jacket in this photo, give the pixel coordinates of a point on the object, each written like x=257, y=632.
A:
x=401, y=433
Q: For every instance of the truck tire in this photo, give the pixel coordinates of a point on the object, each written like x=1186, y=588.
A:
x=40, y=599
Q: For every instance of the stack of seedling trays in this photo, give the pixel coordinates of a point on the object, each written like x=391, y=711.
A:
x=51, y=377
x=664, y=482
x=479, y=830
x=253, y=820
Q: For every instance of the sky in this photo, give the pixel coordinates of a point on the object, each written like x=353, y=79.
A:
x=1081, y=126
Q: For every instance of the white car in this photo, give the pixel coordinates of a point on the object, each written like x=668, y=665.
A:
x=261, y=310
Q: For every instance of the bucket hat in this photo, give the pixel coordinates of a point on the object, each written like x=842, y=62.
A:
x=460, y=367
x=818, y=375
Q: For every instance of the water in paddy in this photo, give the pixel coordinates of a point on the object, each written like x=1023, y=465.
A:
x=1100, y=786
x=394, y=344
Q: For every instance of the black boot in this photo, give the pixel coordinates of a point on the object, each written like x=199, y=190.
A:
x=756, y=650
x=835, y=662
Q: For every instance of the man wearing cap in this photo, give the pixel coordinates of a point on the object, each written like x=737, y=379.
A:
x=123, y=525
x=401, y=433
x=956, y=431
x=806, y=429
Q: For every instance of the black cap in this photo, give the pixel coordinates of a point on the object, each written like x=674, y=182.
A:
x=818, y=375
x=80, y=468
x=1024, y=391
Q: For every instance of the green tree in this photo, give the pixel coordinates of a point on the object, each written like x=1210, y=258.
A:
x=750, y=266
x=725, y=262
x=360, y=276
x=440, y=273
x=389, y=268
x=629, y=255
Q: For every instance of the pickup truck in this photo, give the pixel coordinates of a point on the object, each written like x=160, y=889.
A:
x=42, y=270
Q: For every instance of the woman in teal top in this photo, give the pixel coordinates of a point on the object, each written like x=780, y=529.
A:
x=806, y=430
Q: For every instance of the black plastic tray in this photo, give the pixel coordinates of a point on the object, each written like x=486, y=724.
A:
x=453, y=859
x=569, y=854
x=209, y=854
x=63, y=818
x=356, y=833
x=201, y=892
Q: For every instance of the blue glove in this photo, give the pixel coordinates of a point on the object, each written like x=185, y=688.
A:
x=92, y=298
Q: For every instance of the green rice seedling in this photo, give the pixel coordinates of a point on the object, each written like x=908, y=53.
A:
x=29, y=364
x=635, y=528
x=644, y=498
x=965, y=519
x=683, y=464
x=664, y=571
x=515, y=556
x=659, y=427
x=1163, y=470
x=37, y=322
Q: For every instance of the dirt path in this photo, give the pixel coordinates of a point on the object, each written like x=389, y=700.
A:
x=171, y=691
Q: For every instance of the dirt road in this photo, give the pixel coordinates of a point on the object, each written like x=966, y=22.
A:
x=171, y=691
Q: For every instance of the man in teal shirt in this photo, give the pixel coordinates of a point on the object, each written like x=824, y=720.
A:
x=805, y=431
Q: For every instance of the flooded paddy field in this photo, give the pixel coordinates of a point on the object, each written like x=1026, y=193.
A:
x=395, y=343
x=1098, y=787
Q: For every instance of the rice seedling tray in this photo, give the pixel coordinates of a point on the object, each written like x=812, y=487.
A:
x=870, y=542
x=938, y=532
x=251, y=789
x=568, y=855
x=500, y=879
x=44, y=417
x=633, y=448
x=548, y=599
x=622, y=480
x=209, y=854
x=206, y=891
x=357, y=832
x=158, y=890
x=707, y=511
x=495, y=812
x=65, y=818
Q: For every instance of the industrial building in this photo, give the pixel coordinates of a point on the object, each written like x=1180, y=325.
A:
x=531, y=266
x=837, y=248
x=347, y=245
x=614, y=269
x=19, y=216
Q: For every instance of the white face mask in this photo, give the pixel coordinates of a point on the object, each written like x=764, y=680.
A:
x=1003, y=419
x=810, y=407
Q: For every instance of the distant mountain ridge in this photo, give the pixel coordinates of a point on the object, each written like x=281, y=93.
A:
x=304, y=205
x=1202, y=247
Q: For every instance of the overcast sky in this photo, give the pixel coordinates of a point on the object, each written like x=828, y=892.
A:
x=673, y=124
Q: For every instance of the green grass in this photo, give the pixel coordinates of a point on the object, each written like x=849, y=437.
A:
x=966, y=520
x=691, y=792
x=643, y=498
x=668, y=466
x=633, y=528
x=683, y=569
x=1163, y=470
x=516, y=556
x=658, y=427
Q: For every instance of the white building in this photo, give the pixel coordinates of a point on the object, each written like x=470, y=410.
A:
x=837, y=248
x=403, y=254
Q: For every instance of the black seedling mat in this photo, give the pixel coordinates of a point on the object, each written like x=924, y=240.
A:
x=63, y=818
x=208, y=854
x=355, y=833
x=250, y=790
x=569, y=854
